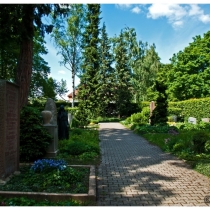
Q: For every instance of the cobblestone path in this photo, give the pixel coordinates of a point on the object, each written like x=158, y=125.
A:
x=135, y=173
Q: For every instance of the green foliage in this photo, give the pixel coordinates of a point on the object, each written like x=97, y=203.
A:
x=75, y=123
x=108, y=119
x=142, y=129
x=144, y=62
x=127, y=121
x=71, y=110
x=81, y=117
x=38, y=103
x=144, y=104
x=188, y=75
x=34, y=138
x=123, y=75
x=203, y=168
x=174, y=110
x=66, y=105
x=141, y=117
x=89, y=81
x=94, y=121
x=82, y=145
x=68, y=180
x=77, y=148
x=193, y=127
x=67, y=35
x=106, y=75
x=40, y=68
x=199, y=140
x=23, y=201
x=159, y=114
x=198, y=108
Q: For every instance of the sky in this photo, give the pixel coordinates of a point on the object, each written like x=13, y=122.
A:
x=170, y=26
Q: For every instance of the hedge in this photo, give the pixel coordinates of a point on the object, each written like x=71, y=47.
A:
x=198, y=108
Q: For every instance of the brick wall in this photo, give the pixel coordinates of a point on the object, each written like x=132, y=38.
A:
x=9, y=127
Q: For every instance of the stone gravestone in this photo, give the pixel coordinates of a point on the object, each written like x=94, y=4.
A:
x=192, y=120
x=152, y=107
x=205, y=120
x=9, y=128
x=52, y=128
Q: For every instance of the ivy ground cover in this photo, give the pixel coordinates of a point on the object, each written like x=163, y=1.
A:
x=51, y=176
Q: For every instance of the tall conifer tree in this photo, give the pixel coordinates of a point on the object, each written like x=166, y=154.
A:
x=89, y=83
x=123, y=74
x=107, y=77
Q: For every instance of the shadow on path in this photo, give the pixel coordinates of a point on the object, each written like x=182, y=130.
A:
x=134, y=172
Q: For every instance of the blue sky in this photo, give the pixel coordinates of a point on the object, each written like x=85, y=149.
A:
x=170, y=27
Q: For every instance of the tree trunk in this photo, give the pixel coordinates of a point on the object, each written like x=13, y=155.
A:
x=73, y=78
x=24, y=67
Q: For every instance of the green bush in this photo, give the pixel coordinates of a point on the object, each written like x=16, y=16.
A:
x=136, y=118
x=140, y=117
x=199, y=141
x=144, y=104
x=34, y=138
x=128, y=120
x=146, y=114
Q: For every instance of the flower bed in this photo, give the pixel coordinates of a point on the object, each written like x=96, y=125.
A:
x=53, y=180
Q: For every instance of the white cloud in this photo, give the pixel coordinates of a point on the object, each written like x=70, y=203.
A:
x=173, y=12
x=178, y=23
x=61, y=72
x=123, y=6
x=204, y=18
x=136, y=10
x=177, y=14
x=196, y=11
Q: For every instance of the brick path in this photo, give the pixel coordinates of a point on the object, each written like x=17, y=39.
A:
x=135, y=173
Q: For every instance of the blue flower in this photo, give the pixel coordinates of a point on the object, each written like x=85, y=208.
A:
x=45, y=164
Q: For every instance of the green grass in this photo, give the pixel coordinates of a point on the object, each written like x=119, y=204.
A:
x=181, y=146
x=81, y=148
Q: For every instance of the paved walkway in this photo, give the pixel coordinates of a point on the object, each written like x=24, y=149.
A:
x=136, y=173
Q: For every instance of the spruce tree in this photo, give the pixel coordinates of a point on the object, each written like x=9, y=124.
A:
x=123, y=75
x=89, y=84
x=106, y=76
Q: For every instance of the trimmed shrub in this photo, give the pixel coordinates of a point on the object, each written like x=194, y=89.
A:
x=198, y=108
